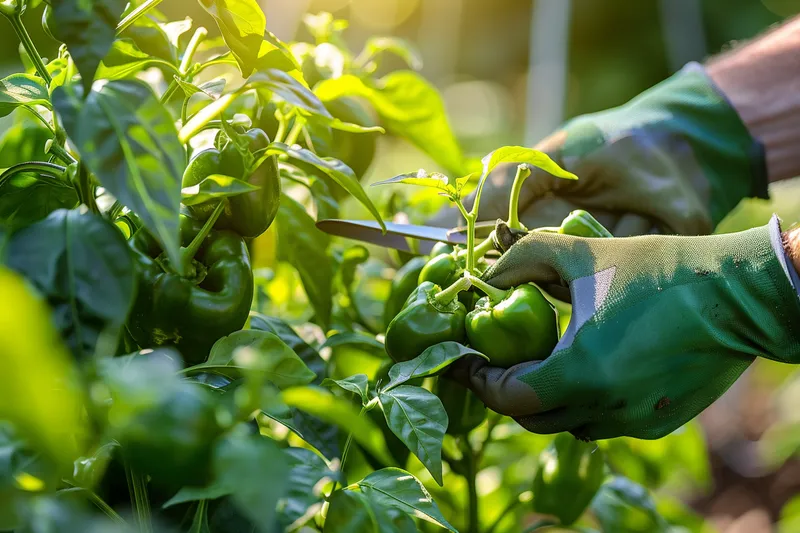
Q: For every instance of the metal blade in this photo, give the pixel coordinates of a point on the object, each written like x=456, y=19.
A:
x=405, y=237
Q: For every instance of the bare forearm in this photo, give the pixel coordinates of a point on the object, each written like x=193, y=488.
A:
x=762, y=81
x=791, y=243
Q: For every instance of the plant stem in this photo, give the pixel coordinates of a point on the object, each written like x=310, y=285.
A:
x=523, y=171
x=42, y=167
x=199, y=517
x=348, y=443
x=27, y=43
x=199, y=34
x=494, y=294
x=141, y=502
x=171, y=88
x=294, y=133
x=134, y=15
x=449, y=294
x=61, y=153
x=190, y=251
x=471, y=242
x=510, y=507
x=482, y=249
x=206, y=115
x=472, y=486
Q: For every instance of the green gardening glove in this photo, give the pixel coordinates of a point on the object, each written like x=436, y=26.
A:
x=661, y=327
x=674, y=160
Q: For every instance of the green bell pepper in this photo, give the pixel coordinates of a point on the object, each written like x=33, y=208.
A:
x=569, y=475
x=443, y=269
x=248, y=214
x=514, y=326
x=403, y=284
x=581, y=224
x=430, y=316
x=191, y=313
x=465, y=411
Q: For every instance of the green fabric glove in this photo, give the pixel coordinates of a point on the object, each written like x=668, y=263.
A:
x=661, y=327
x=676, y=159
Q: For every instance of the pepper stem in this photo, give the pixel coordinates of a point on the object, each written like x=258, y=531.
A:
x=190, y=251
x=482, y=249
x=495, y=295
x=523, y=171
x=451, y=293
x=30, y=48
x=186, y=62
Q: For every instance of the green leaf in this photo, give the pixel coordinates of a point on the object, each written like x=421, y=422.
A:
x=25, y=199
x=278, y=362
x=307, y=470
x=358, y=384
x=429, y=363
x=418, y=418
x=275, y=325
x=289, y=90
x=215, y=186
x=128, y=141
x=83, y=266
x=242, y=24
x=22, y=89
x=409, y=107
x=88, y=29
x=520, y=155
x=376, y=46
x=353, y=512
x=352, y=338
x=340, y=412
x=393, y=487
x=125, y=60
x=302, y=245
x=624, y=506
x=338, y=171
x=25, y=140
x=423, y=178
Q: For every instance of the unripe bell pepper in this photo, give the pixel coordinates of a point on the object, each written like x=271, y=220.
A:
x=429, y=316
x=191, y=312
x=581, y=224
x=403, y=284
x=569, y=475
x=465, y=411
x=514, y=326
x=442, y=270
x=248, y=214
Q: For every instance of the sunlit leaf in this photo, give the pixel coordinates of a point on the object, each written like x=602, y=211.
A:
x=429, y=363
x=215, y=186
x=22, y=89
x=242, y=24
x=358, y=384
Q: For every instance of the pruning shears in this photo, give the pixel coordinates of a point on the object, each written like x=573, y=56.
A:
x=404, y=237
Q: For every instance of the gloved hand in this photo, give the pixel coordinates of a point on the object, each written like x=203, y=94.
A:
x=676, y=159
x=661, y=327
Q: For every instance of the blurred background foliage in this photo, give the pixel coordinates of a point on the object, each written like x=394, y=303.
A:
x=737, y=466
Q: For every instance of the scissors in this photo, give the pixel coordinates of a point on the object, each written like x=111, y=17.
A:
x=404, y=237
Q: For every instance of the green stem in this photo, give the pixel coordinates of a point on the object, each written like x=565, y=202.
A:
x=61, y=153
x=171, y=89
x=294, y=133
x=495, y=295
x=199, y=34
x=472, y=486
x=451, y=293
x=141, y=502
x=27, y=43
x=523, y=171
x=482, y=249
x=42, y=167
x=199, y=515
x=348, y=443
x=471, y=242
x=200, y=119
x=134, y=15
x=190, y=251
x=41, y=118
x=504, y=514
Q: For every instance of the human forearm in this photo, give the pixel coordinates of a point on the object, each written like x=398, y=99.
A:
x=761, y=81
x=791, y=243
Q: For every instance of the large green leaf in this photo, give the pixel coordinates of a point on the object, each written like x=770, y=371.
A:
x=22, y=89
x=125, y=60
x=358, y=384
x=418, y=418
x=279, y=363
x=353, y=512
x=341, y=412
x=429, y=363
x=393, y=487
x=307, y=470
x=275, y=325
x=24, y=199
x=338, y=171
x=289, y=90
x=214, y=187
x=88, y=29
x=82, y=265
x=242, y=24
x=626, y=507
x=410, y=107
x=128, y=140
x=303, y=246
